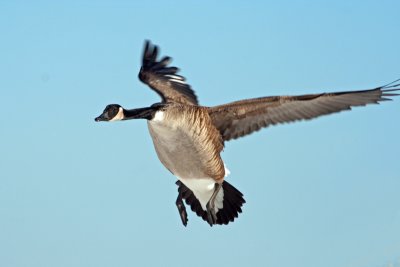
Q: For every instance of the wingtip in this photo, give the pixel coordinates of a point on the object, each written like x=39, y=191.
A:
x=387, y=94
x=150, y=52
x=147, y=44
x=392, y=85
x=151, y=67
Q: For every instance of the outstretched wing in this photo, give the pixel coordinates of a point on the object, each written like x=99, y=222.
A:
x=163, y=79
x=244, y=117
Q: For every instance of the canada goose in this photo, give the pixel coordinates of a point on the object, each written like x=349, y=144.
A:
x=189, y=138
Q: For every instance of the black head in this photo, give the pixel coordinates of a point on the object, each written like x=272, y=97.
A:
x=112, y=112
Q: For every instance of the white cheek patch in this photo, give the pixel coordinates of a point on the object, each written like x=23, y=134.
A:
x=119, y=116
x=159, y=116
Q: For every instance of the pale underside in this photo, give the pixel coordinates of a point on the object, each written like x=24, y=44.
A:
x=186, y=148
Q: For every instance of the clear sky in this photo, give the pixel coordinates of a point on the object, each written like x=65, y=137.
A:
x=78, y=193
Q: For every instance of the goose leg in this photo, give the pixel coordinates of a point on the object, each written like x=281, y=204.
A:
x=181, y=209
x=211, y=215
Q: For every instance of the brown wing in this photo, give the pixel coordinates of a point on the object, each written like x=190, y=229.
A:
x=241, y=118
x=163, y=79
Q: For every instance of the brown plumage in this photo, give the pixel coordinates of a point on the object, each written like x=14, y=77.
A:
x=244, y=117
x=197, y=134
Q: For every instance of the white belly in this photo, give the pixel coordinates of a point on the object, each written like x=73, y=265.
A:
x=203, y=190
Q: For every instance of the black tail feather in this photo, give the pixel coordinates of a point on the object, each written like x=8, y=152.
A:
x=232, y=203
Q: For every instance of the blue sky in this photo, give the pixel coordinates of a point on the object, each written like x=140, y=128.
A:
x=78, y=193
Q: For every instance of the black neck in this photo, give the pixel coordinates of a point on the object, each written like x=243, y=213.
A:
x=140, y=113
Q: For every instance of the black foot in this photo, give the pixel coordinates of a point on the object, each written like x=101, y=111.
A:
x=211, y=216
x=182, y=210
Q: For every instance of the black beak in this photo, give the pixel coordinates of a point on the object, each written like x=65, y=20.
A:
x=101, y=118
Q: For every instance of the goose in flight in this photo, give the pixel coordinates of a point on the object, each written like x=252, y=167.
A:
x=189, y=138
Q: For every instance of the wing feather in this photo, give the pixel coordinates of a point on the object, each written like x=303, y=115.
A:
x=244, y=117
x=163, y=79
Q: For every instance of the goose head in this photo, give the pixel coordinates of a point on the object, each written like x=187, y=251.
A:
x=112, y=112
